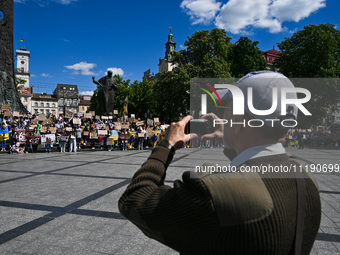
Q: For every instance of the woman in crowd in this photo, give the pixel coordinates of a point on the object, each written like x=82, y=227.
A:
x=4, y=136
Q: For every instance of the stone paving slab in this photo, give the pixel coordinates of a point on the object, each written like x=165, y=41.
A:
x=68, y=203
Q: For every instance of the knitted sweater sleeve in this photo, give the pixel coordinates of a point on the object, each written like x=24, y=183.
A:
x=168, y=214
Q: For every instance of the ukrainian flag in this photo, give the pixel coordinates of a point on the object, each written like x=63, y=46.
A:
x=125, y=106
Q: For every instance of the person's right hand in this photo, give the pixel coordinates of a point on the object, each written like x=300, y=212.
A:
x=218, y=129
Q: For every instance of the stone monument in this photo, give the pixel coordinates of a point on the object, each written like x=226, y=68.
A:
x=109, y=85
x=8, y=89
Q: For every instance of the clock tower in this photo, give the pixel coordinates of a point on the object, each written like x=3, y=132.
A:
x=22, y=71
x=165, y=64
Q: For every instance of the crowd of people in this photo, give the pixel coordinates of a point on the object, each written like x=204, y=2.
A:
x=27, y=134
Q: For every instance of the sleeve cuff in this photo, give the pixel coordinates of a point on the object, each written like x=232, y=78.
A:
x=162, y=154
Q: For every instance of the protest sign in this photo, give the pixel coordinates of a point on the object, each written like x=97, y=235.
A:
x=68, y=129
x=88, y=116
x=48, y=138
x=53, y=130
x=118, y=125
x=115, y=112
x=125, y=125
x=102, y=132
x=149, y=122
x=21, y=136
x=5, y=107
x=34, y=139
x=110, y=141
x=42, y=117
x=16, y=114
x=77, y=121
x=139, y=123
x=94, y=135
x=155, y=120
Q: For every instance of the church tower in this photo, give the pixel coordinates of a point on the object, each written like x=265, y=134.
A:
x=22, y=71
x=166, y=64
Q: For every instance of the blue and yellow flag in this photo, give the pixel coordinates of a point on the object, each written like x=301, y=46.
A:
x=125, y=106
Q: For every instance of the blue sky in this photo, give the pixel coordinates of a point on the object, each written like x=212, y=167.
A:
x=72, y=40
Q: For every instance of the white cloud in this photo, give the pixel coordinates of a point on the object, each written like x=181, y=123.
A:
x=65, y=1
x=240, y=16
x=83, y=67
x=289, y=10
x=201, y=11
x=46, y=75
x=115, y=70
x=19, y=1
x=87, y=93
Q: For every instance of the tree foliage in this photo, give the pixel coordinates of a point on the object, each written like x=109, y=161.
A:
x=314, y=52
x=246, y=57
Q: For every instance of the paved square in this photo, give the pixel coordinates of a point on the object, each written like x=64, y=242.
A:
x=68, y=203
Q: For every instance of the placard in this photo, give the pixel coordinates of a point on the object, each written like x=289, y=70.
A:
x=125, y=125
x=148, y=132
x=69, y=114
x=141, y=135
x=5, y=107
x=68, y=129
x=7, y=114
x=118, y=125
x=43, y=129
x=139, y=123
x=124, y=136
x=53, y=130
x=86, y=133
x=110, y=141
x=93, y=113
x=48, y=138
x=105, y=117
x=34, y=139
x=60, y=130
x=133, y=116
x=42, y=117
x=77, y=121
x=94, y=135
x=115, y=112
x=149, y=122
x=97, y=117
x=34, y=122
x=16, y=114
x=21, y=135
x=155, y=120
x=63, y=138
x=33, y=126
x=88, y=116
x=102, y=132
x=80, y=114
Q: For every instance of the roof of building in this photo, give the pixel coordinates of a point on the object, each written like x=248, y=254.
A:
x=44, y=97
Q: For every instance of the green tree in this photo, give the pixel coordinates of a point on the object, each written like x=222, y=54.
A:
x=206, y=56
x=142, y=98
x=171, y=91
x=314, y=52
x=311, y=52
x=246, y=57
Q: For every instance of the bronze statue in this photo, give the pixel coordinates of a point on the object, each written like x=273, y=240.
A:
x=109, y=85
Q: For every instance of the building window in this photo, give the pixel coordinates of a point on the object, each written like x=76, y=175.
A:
x=61, y=101
x=69, y=108
x=42, y=111
x=42, y=105
x=36, y=111
x=61, y=109
x=36, y=104
x=25, y=99
x=68, y=102
x=83, y=108
x=47, y=111
x=53, y=105
x=47, y=104
x=75, y=101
